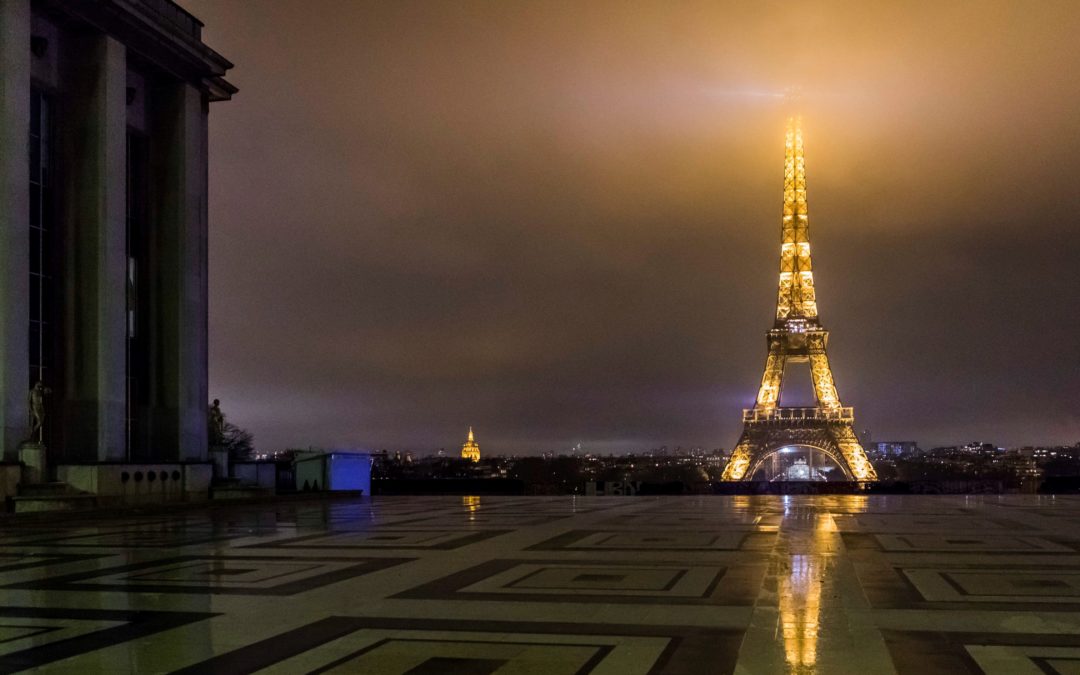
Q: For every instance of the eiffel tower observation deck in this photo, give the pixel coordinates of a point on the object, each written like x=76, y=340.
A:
x=797, y=336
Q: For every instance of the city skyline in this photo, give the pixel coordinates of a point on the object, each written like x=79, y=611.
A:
x=561, y=229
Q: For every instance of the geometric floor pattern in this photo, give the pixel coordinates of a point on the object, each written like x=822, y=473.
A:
x=510, y=585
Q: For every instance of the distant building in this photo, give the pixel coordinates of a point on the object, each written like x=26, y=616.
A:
x=895, y=448
x=977, y=447
x=103, y=200
x=799, y=470
x=470, y=451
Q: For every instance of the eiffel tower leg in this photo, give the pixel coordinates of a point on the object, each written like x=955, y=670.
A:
x=740, y=459
x=848, y=443
x=824, y=387
x=769, y=393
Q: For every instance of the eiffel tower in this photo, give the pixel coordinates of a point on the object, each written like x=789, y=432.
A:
x=797, y=336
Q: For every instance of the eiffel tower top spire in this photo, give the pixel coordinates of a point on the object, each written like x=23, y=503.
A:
x=795, y=298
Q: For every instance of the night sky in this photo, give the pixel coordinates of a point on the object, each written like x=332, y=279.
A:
x=559, y=221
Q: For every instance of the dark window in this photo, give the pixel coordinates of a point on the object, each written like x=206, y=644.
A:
x=42, y=256
x=137, y=317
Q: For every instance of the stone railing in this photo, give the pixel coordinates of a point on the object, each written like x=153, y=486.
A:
x=759, y=415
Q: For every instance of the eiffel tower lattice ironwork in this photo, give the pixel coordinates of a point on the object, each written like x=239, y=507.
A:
x=797, y=336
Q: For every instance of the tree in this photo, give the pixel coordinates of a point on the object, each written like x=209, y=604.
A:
x=239, y=442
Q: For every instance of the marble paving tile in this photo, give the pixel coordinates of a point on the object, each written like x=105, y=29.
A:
x=393, y=647
x=501, y=585
x=243, y=575
x=386, y=537
x=32, y=637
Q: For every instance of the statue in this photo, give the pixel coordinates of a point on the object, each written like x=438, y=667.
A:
x=37, y=411
x=216, y=423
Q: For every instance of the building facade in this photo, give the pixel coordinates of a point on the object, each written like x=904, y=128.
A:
x=103, y=257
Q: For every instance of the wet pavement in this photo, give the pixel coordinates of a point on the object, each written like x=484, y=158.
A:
x=476, y=585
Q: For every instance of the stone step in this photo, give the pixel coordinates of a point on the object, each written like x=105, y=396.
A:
x=53, y=489
x=67, y=502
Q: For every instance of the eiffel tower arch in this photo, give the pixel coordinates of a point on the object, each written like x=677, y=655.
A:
x=797, y=336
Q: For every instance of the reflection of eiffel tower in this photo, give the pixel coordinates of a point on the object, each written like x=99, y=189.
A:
x=797, y=336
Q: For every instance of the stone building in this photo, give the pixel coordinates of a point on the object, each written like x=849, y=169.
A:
x=103, y=238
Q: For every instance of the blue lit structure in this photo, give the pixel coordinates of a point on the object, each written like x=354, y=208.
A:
x=335, y=470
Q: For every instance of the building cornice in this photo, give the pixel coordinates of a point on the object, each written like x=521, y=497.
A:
x=160, y=32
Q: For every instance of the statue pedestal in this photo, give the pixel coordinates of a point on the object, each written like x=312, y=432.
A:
x=220, y=457
x=32, y=456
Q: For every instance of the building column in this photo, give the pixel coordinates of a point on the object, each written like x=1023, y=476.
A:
x=178, y=216
x=95, y=179
x=14, y=224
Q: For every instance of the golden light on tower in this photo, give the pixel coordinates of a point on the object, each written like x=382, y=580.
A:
x=470, y=451
x=797, y=336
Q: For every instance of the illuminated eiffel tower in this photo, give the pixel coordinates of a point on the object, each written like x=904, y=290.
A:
x=797, y=336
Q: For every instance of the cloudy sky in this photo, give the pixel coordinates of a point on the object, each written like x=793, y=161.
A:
x=559, y=221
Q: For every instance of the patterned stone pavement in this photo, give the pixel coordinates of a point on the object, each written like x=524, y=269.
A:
x=509, y=585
